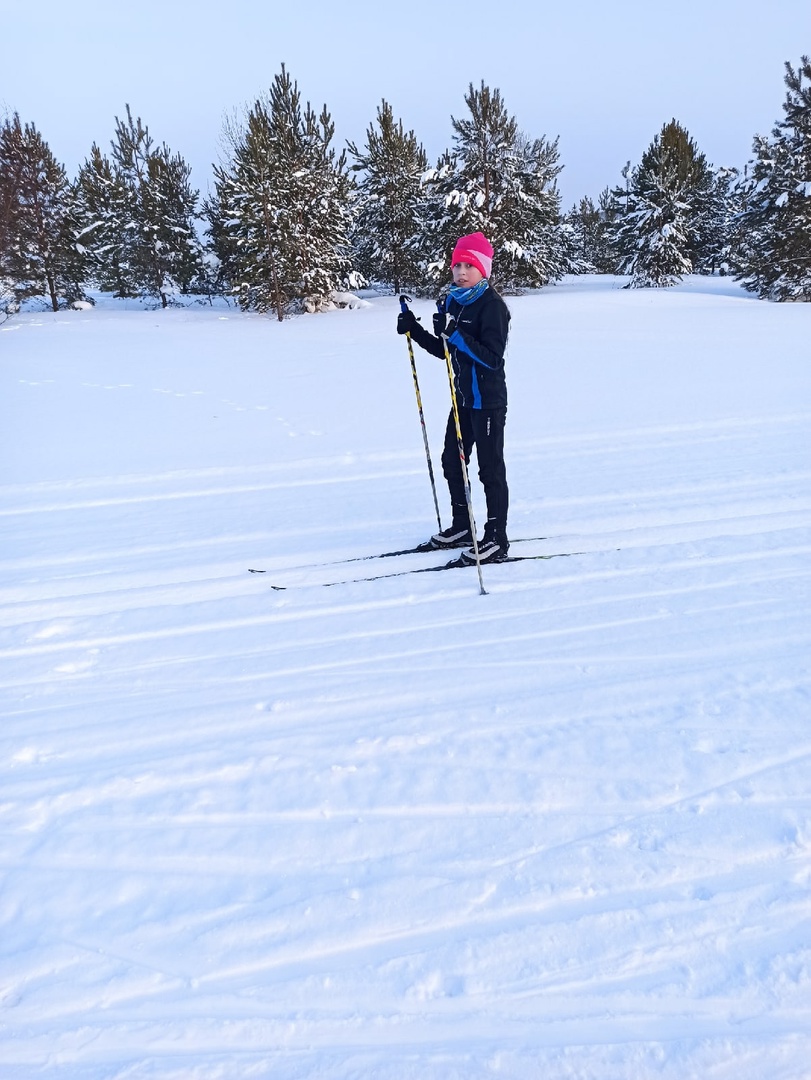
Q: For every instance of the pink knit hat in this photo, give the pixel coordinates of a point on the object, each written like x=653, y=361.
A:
x=476, y=250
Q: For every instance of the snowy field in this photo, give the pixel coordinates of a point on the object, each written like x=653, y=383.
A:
x=394, y=829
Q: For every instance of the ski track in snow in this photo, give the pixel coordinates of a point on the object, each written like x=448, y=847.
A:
x=393, y=828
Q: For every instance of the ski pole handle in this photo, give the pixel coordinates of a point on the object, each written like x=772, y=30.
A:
x=404, y=302
x=444, y=322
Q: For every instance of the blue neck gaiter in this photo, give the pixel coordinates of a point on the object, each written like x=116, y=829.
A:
x=468, y=296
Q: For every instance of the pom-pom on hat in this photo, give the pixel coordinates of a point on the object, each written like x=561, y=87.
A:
x=476, y=250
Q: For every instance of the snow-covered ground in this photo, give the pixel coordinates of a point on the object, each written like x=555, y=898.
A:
x=395, y=829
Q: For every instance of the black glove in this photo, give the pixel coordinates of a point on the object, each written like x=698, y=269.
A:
x=406, y=322
x=444, y=323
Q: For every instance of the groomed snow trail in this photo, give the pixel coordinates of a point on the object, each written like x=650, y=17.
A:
x=395, y=829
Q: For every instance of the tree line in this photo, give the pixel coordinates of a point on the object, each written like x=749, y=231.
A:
x=292, y=219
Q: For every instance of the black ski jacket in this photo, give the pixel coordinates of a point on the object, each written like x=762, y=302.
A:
x=477, y=348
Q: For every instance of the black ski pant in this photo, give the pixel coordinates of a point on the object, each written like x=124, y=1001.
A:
x=483, y=428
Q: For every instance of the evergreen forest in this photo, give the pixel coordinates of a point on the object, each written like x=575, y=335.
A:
x=294, y=221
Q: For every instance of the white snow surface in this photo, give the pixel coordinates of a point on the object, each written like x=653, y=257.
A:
x=396, y=829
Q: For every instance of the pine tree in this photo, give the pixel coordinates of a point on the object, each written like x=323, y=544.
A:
x=580, y=224
x=162, y=254
x=609, y=214
x=443, y=222
x=241, y=216
x=102, y=214
x=665, y=207
x=314, y=216
x=773, y=234
x=590, y=233
x=280, y=218
x=387, y=226
x=502, y=183
x=10, y=176
x=714, y=224
x=37, y=253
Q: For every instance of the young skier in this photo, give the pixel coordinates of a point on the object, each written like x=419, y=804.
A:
x=475, y=324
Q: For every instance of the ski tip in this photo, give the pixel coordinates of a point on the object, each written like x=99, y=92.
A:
x=417, y=550
x=252, y=571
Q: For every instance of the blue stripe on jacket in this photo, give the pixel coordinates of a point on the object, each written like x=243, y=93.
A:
x=477, y=395
x=461, y=345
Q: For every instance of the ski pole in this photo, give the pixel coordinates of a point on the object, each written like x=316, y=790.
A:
x=462, y=462
x=404, y=301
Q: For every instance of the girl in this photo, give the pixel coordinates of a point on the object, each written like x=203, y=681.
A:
x=475, y=325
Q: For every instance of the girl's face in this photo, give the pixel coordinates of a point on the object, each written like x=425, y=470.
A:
x=466, y=276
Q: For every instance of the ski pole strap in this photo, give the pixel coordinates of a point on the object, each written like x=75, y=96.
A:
x=404, y=302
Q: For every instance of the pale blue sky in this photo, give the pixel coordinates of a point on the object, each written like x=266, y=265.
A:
x=603, y=77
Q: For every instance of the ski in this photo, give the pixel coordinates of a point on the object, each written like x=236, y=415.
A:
x=453, y=564
x=420, y=549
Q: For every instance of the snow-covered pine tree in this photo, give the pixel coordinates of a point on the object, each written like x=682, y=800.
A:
x=280, y=218
x=387, y=223
x=242, y=215
x=664, y=204
x=715, y=214
x=534, y=246
x=773, y=250
x=177, y=257
x=314, y=217
x=162, y=252
x=581, y=225
x=609, y=212
x=102, y=209
x=9, y=188
x=37, y=253
x=502, y=183
x=442, y=221
x=589, y=227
